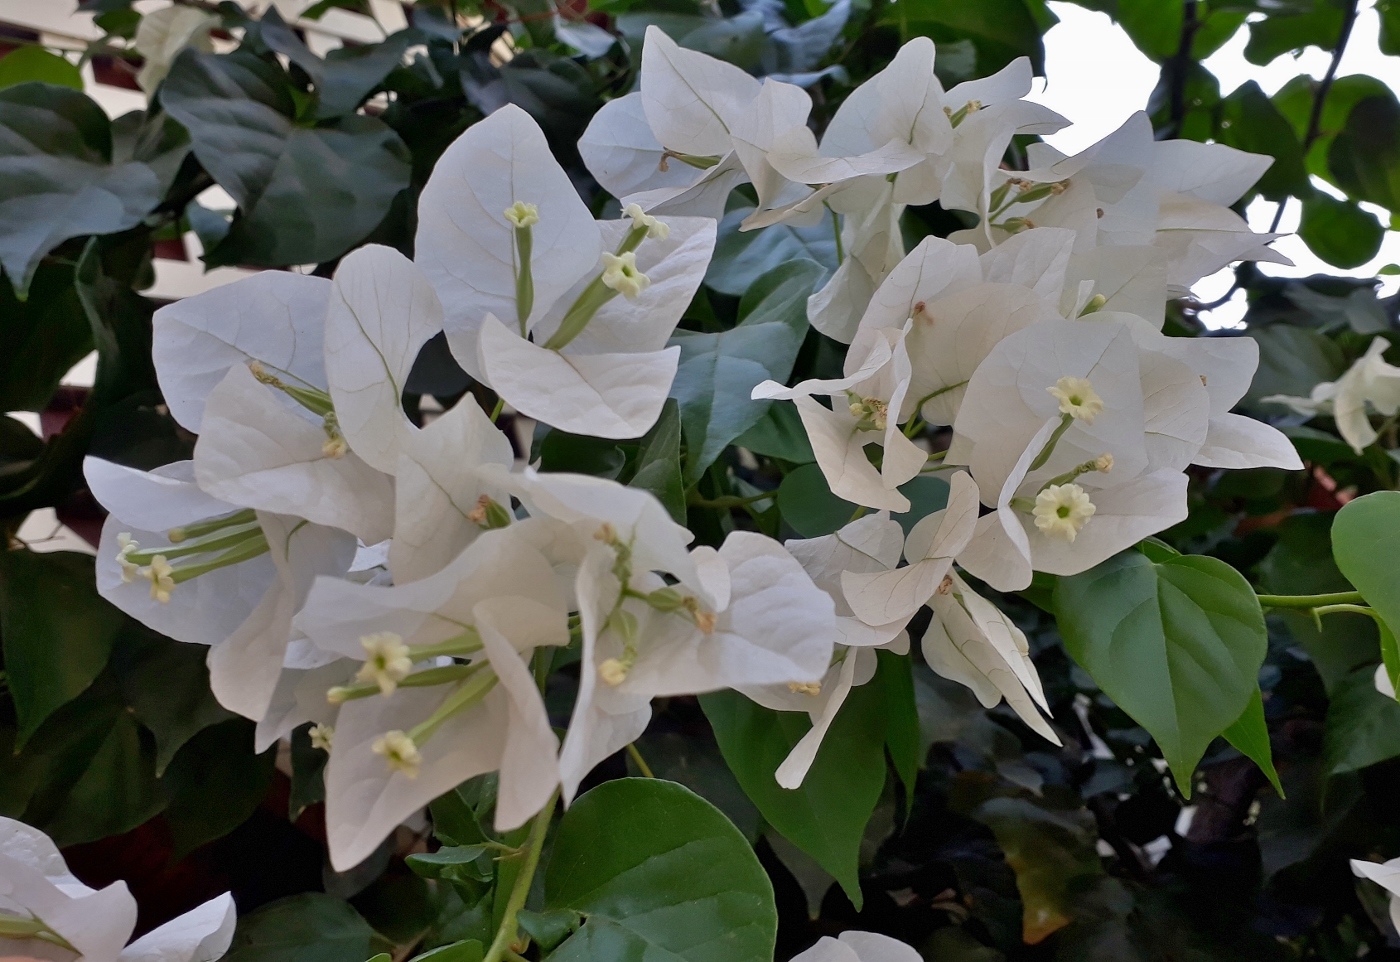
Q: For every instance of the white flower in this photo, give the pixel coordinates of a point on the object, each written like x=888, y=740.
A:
x=1077, y=398
x=1370, y=383
x=1061, y=510
x=471, y=707
x=230, y=579
x=859, y=947
x=549, y=331
x=865, y=408
x=42, y=905
x=758, y=620
x=621, y=274
x=656, y=229
x=866, y=546
x=521, y=214
x=879, y=598
x=399, y=753
x=322, y=737
x=974, y=644
x=1387, y=876
x=387, y=661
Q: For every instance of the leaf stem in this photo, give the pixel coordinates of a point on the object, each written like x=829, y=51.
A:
x=638, y=760
x=1310, y=601
x=728, y=500
x=496, y=411
x=1335, y=609
x=508, y=931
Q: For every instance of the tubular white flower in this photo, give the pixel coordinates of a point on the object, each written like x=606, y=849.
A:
x=621, y=274
x=1062, y=509
x=1077, y=398
x=656, y=229
x=521, y=214
x=399, y=753
x=387, y=660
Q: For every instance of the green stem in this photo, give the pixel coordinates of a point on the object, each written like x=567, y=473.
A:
x=1335, y=609
x=836, y=232
x=1049, y=449
x=496, y=411
x=524, y=278
x=507, y=933
x=1310, y=601
x=638, y=760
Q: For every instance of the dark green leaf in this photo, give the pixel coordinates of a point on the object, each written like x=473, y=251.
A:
x=351, y=74
x=779, y=434
x=1363, y=726
x=1365, y=156
x=1389, y=12
x=1295, y=101
x=810, y=508
x=659, y=873
x=304, y=928
x=1250, y=736
x=166, y=685
x=1249, y=121
x=548, y=929
x=57, y=632
x=659, y=463
x=37, y=64
x=1274, y=35
x=902, y=736
x=44, y=335
x=1156, y=27
x=58, y=178
x=1292, y=360
x=304, y=194
x=742, y=257
x=1001, y=30
x=1177, y=645
x=827, y=815
x=308, y=773
x=215, y=783
x=1340, y=232
x=718, y=372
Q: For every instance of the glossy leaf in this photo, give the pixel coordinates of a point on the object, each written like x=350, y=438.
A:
x=1339, y=231
x=57, y=632
x=659, y=462
x=1364, y=533
x=718, y=372
x=1363, y=726
x=1250, y=736
x=304, y=928
x=1177, y=645
x=659, y=873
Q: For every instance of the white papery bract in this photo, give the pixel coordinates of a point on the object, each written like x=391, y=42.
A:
x=1387, y=876
x=1369, y=384
x=973, y=643
x=859, y=947
x=37, y=891
x=468, y=707
x=558, y=335
x=1128, y=190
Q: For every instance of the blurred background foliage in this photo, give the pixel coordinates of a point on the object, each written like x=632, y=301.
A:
x=925, y=816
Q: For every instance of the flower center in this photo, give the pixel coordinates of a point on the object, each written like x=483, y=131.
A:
x=1061, y=510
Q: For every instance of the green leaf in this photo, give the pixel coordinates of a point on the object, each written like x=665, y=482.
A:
x=742, y=257
x=1363, y=726
x=468, y=950
x=304, y=928
x=308, y=773
x=1365, y=156
x=718, y=372
x=1177, y=645
x=810, y=508
x=902, y=737
x=1156, y=27
x=659, y=463
x=1292, y=360
x=659, y=873
x=779, y=434
x=826, y=816
x=1364, y=535
x=57, y=632
x=45, y=336
x=1250, y=121
x=1001, y=30
x=58, y=179
x=1295, y=101
x=1389, y=12
x=304, y=194
x=1339, y=231
x=1250, y=736
x=548, y=929
x=166, y=685
x=351, y=74
x=1271, y=36
x=215, y=784
x=37, y=64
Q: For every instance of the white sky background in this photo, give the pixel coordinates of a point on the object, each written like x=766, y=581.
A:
x=1097, y=79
